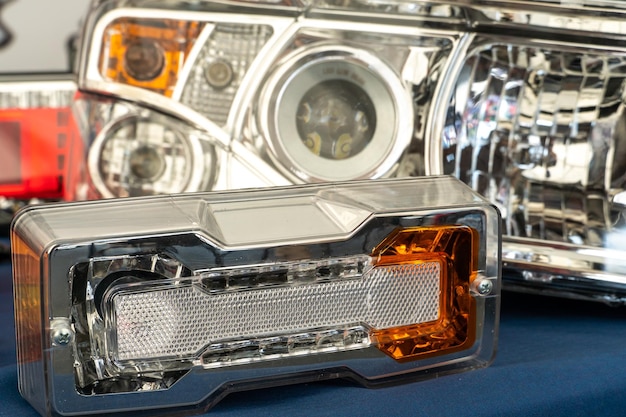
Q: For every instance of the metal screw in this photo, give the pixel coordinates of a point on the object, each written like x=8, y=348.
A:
x=61, y=337
x=483, y=286
x=61, y=333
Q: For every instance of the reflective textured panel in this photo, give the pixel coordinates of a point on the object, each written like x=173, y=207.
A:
x=541, y=134
x=180, y=321
x=220, y=68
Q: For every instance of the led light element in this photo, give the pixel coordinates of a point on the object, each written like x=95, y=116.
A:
x=164, y=303
x=350, y=111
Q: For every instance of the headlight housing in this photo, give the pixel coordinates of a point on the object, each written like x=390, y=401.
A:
x=521, y=100
x=310, y=99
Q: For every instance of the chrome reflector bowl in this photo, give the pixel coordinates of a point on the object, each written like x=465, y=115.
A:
x=538, y=127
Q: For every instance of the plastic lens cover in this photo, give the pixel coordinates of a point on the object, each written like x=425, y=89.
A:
x=523, y=101
x=166, y=304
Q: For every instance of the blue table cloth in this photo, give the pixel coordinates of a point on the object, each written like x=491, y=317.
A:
x=555, y=358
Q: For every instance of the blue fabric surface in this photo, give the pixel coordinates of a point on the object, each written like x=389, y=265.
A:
x=556, y=358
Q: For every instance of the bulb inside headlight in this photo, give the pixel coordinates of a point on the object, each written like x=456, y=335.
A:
x=336, y=120
x=334, y=99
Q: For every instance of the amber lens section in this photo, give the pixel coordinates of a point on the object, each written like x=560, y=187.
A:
x=27, y=292
x=147, y=53
x=456, y=248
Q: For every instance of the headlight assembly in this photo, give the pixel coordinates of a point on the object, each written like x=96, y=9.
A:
x=521, y=100
x=314, y=99
x=165, y=304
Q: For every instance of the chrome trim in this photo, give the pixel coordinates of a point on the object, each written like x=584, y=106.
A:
x=433, y=157
x=284, y=30
x=35, y=92
x=564, y=270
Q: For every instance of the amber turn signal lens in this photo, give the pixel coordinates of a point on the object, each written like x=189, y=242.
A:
x=147, y=53
x=455, y=249
x=28, y=313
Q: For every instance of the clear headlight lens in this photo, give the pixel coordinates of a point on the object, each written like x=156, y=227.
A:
x=538, y=129
x=167, y=303
x=138, y=156
x=521, y=100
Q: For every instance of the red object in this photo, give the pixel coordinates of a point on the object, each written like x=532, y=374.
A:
x=35, y=146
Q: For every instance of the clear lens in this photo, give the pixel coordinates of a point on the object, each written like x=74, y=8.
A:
x=135, y=151
x=540, y=131
x=140, y=157
x=180, y=321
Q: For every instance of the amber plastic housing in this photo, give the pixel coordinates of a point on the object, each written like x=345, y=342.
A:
x=28, y=313
x=456, y=249
x=147, y=53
